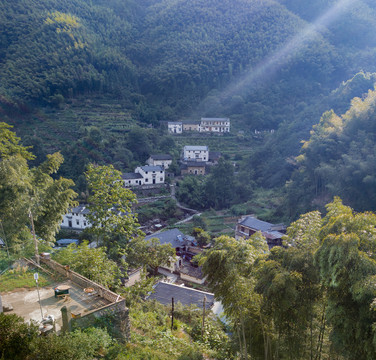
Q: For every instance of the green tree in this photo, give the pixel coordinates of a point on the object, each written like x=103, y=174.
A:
x=347, y=264
x=30, y=196
x=228, y=265
x=90, y=262
x=111, y=212
x=150, y=253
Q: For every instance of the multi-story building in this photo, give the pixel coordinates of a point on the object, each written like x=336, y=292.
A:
x=145, y=175
x=164, y=160
x=175, y=127
x=196, y=153
x=76, y=218
x=215, y=125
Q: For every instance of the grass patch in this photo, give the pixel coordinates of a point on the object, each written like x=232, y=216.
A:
x=21, y=277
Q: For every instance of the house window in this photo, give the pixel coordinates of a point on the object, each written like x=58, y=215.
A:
x=78, y=222
x=242, y=229
x=146, y=180
x=161, y=179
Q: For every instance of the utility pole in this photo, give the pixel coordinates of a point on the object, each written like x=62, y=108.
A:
x=172, y=313
x=40, y=304
x=203, y=317
x=35, y=238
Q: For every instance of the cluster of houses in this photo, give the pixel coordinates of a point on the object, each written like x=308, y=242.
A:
x=194, y=161
x=206, y=125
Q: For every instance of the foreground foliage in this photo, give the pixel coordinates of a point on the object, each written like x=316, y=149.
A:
x=312, y=299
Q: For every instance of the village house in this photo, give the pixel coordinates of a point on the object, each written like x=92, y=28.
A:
x=175, y=127
x=215, y=125
x=145, y=175
x=76, y=218
x=195, y=153
x=191, y=126
x=248, y=225
x=186, y=248
x=164, y=160
x=193, y=168
x=151, y=174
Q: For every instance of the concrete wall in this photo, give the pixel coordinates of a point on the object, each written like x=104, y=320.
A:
x=116, y=315
x=81, y=280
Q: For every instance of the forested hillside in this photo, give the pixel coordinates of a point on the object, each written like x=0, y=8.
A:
x=76, y=76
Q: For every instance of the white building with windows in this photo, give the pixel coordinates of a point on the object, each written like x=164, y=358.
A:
x=175, y=127
x=196, y=153
x=164, y=160
x=215, y=125
x=76, y=218
x=151, y=174
x=145, y=175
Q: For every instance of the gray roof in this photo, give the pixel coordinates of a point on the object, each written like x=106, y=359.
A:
x=161, y=157
x=80, y=209
x=175, y=123
x=196, y=147
x=266, y=228
x=130, y=176
x=215, y=119
x=152, y=168
x=174, y=237
x=2, y=243
x=164, y=292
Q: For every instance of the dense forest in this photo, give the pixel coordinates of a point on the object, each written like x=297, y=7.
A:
x=271, y=65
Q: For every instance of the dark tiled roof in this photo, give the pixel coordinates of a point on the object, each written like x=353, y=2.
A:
x=130, y=176
x=161, y=157
x=215, y=119
x=170, y=237
x=164, y=292
x=80, y=209
x=266, y=228
x=152, y=168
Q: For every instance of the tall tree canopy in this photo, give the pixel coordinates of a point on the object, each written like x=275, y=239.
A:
x=30, y=192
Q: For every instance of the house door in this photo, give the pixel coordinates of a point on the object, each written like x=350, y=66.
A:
x=153, y=181
x=70, y=223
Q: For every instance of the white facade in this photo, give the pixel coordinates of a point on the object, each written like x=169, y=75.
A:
x=76, y=219
x=160, y=160
x=216, y=125
x=151, y=174
x=175, y=127
x=196, y=153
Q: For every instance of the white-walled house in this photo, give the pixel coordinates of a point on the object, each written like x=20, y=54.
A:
x=132, y=179
x=196, y=153
x=216, y=125
x=145, y=175
x=76, y=218
x=151, y=174
x=175, y=127
x=164, y=160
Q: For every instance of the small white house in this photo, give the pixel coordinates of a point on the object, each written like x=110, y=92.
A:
x=151, y=174
x=163, y=160
x=76, y=218
x=196, y=153
x=132, y=179
x=215, y=125
x=175, y=127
